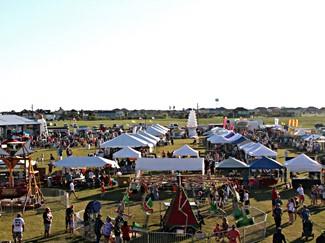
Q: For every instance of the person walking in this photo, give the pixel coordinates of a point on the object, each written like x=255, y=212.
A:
x=301, y=193
x=107, y=229
x=69, y=219
x=277, y=215
x=72, y=190
x=98, y=227
x=47, y=220
x=291, y=208
x=278, y=237
x=18, y=228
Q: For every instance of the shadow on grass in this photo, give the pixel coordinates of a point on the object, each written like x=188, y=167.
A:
x=58, y=237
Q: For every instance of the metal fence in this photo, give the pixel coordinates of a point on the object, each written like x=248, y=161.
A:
x=250, y=234
x=163, y=237
x=56, y=195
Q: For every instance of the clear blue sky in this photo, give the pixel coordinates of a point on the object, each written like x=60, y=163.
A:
x=153, y=54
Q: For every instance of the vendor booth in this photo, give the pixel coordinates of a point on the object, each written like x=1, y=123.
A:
x=185, y=151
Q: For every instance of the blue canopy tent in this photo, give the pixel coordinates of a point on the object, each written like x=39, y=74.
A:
x=265, y=164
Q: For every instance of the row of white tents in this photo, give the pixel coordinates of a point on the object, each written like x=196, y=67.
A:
x=148, y=138
x=223, y=136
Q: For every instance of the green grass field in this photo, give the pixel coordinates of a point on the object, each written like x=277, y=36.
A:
x=304, y=121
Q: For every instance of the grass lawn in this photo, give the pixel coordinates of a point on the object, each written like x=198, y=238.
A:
x=34, y=226
x=304, y=121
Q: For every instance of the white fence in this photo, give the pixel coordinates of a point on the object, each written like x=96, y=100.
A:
x=56, y=195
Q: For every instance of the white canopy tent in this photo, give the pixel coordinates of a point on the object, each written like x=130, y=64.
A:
x=231, y=163
x=144, y=133
x=262, y=151
x=159, y=128
x=125, y=140
x=218, y=139
x=126, y=153
x=185, y=151
x=302, y=163
x=169, y=164
x=155, y=131
x=145, y=138
x=235, y=137
x=85, y=161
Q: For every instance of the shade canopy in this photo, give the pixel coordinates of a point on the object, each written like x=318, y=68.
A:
x=186, y=151
x=303, y=163
x=161, y=127
x=265, y=163
x=144, y=133
x=231, y=163
x=239, y=140
x=145, y=138
x=262, y=151
x=85, y=161
x=168, y=164
x=218, y=139
x=127, y=153
x=125, y=140
x=155, y=131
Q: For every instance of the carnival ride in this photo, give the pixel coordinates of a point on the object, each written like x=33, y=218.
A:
x=19, y=182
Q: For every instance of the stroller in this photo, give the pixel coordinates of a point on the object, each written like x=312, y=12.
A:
x=307, y=226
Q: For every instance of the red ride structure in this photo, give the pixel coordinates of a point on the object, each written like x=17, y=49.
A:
x=18, y=178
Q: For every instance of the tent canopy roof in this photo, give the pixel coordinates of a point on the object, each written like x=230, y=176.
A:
x=144, y=133
x=127, y=152
x=125, y=140
x=303, y=163
x=265, y=163
x=85, y=161
x=231, y=163
x=168, y=164
x=262, y=151
x=185, y=151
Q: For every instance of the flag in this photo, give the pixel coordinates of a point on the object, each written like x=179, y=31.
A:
x=149, y=202
x=297, y=123
x=126, y=199
x=289, y=123
x=293, y=123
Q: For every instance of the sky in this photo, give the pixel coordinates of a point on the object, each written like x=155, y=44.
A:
x=152, y=54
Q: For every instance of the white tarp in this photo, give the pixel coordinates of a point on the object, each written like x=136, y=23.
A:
x=185, y=151
x=231, y=163
x=127, y=152
x=125, y=140
x=302, y=163
x=262, y=151
x=169, y=164
x=85, y=161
